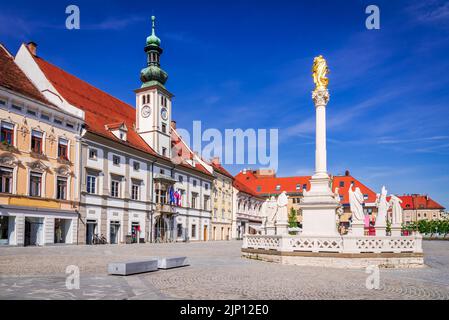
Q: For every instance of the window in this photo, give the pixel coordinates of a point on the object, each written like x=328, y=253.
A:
x=135, y=191
x=179, y=230
x=115, y=188
x=116, y=160
x=5, y=180
x=259, y=188
x=61, y=188
x=365, y=196
x=193, y=230
x=45, y=116
x=93, y=154
x=35, y=184
x=180, y=179
x=91, y=184
x=278, y=187
x=222, y=213
x=31, y=112
x=206, y=186
x=164, y=152
x=62, y=149
x=36, y=141
x=2, y=102
x=16, y=107
x=206, y=203
x=69, y=125
x=57, y=121
x=298, y=187
x=136, y=166
x=164, y=128
x=342, y=184
x=194, y=197
x=7, y=135
x=304, y=186
x=162, y=171
x=194, y=183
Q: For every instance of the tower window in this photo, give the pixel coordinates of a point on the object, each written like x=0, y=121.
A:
x=164, y=152
x=164, y=128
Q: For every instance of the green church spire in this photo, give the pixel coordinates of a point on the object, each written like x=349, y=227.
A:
x=153, y=73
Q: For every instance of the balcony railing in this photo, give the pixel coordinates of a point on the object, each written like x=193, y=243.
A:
x=163, y=207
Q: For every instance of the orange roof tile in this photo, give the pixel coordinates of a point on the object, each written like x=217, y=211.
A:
x=268, y=185
x=13, y=78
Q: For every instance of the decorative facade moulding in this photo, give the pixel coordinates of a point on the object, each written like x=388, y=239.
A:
x=63, y=171
x=9, y=160
x=37, y=166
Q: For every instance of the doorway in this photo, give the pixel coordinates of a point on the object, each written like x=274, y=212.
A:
x=114, y=230
x=34, y=228
x=135, y=232
x=205, y=233
x=91, y=227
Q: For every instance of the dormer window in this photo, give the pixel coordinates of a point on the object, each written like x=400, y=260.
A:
x=119, y=130
x=278, y=187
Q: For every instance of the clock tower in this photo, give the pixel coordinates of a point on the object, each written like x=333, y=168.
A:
x=153, y=100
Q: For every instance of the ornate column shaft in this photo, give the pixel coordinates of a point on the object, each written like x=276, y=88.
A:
x=320, y=98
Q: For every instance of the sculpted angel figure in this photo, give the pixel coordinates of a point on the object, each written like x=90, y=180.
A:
x=395, y=203
x=356, y=204
x=319, y=72
x=382, y=207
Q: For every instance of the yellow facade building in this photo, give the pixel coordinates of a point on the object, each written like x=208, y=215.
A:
x=221, y=222
x=38, y=152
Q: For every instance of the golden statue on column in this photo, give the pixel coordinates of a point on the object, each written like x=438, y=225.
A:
x=319, y=72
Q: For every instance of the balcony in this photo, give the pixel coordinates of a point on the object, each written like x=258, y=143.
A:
x=165, y=208
x=163, y=178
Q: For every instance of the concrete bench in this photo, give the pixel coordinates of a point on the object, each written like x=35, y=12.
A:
x=132, y=267
x=172, y=262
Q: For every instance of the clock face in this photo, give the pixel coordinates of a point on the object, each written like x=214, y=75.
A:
x=164, y=113
x=146, y=111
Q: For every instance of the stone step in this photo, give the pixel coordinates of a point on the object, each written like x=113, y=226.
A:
x=132, y=267
x=172, y=262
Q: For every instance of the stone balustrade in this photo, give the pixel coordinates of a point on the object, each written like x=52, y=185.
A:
x=339, y=244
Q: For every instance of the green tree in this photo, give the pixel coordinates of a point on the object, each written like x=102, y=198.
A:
x=292, y=220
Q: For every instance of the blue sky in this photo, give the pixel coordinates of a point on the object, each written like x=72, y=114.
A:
x=247, y=64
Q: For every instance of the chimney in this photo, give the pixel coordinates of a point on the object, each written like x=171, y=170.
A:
x=216, y=160
x=347, y=174
x=244, y=171
x=173, y=124
x=32, y=46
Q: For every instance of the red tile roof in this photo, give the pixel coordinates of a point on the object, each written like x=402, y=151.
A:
x=245, y=189
x=417, y=201
x=218, y=167
x=102, y=111
x=13, y=78
x=267, y=185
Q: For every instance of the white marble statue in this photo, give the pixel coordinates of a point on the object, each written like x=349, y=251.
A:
x=271, y=210
x=395, y=203
x=356, y=205
x=264, y=215
x=337, y=194
x=282, y=212
x=382, y=208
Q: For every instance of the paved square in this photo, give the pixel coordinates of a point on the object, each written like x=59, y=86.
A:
x=216, y=271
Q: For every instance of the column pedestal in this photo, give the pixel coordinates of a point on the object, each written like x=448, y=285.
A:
x=319, y=209
x=281, y=228
x=357, y=229
x=381, y=231
x=271, y=230
x=396, y=230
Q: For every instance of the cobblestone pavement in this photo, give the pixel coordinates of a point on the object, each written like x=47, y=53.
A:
x=216, y=271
